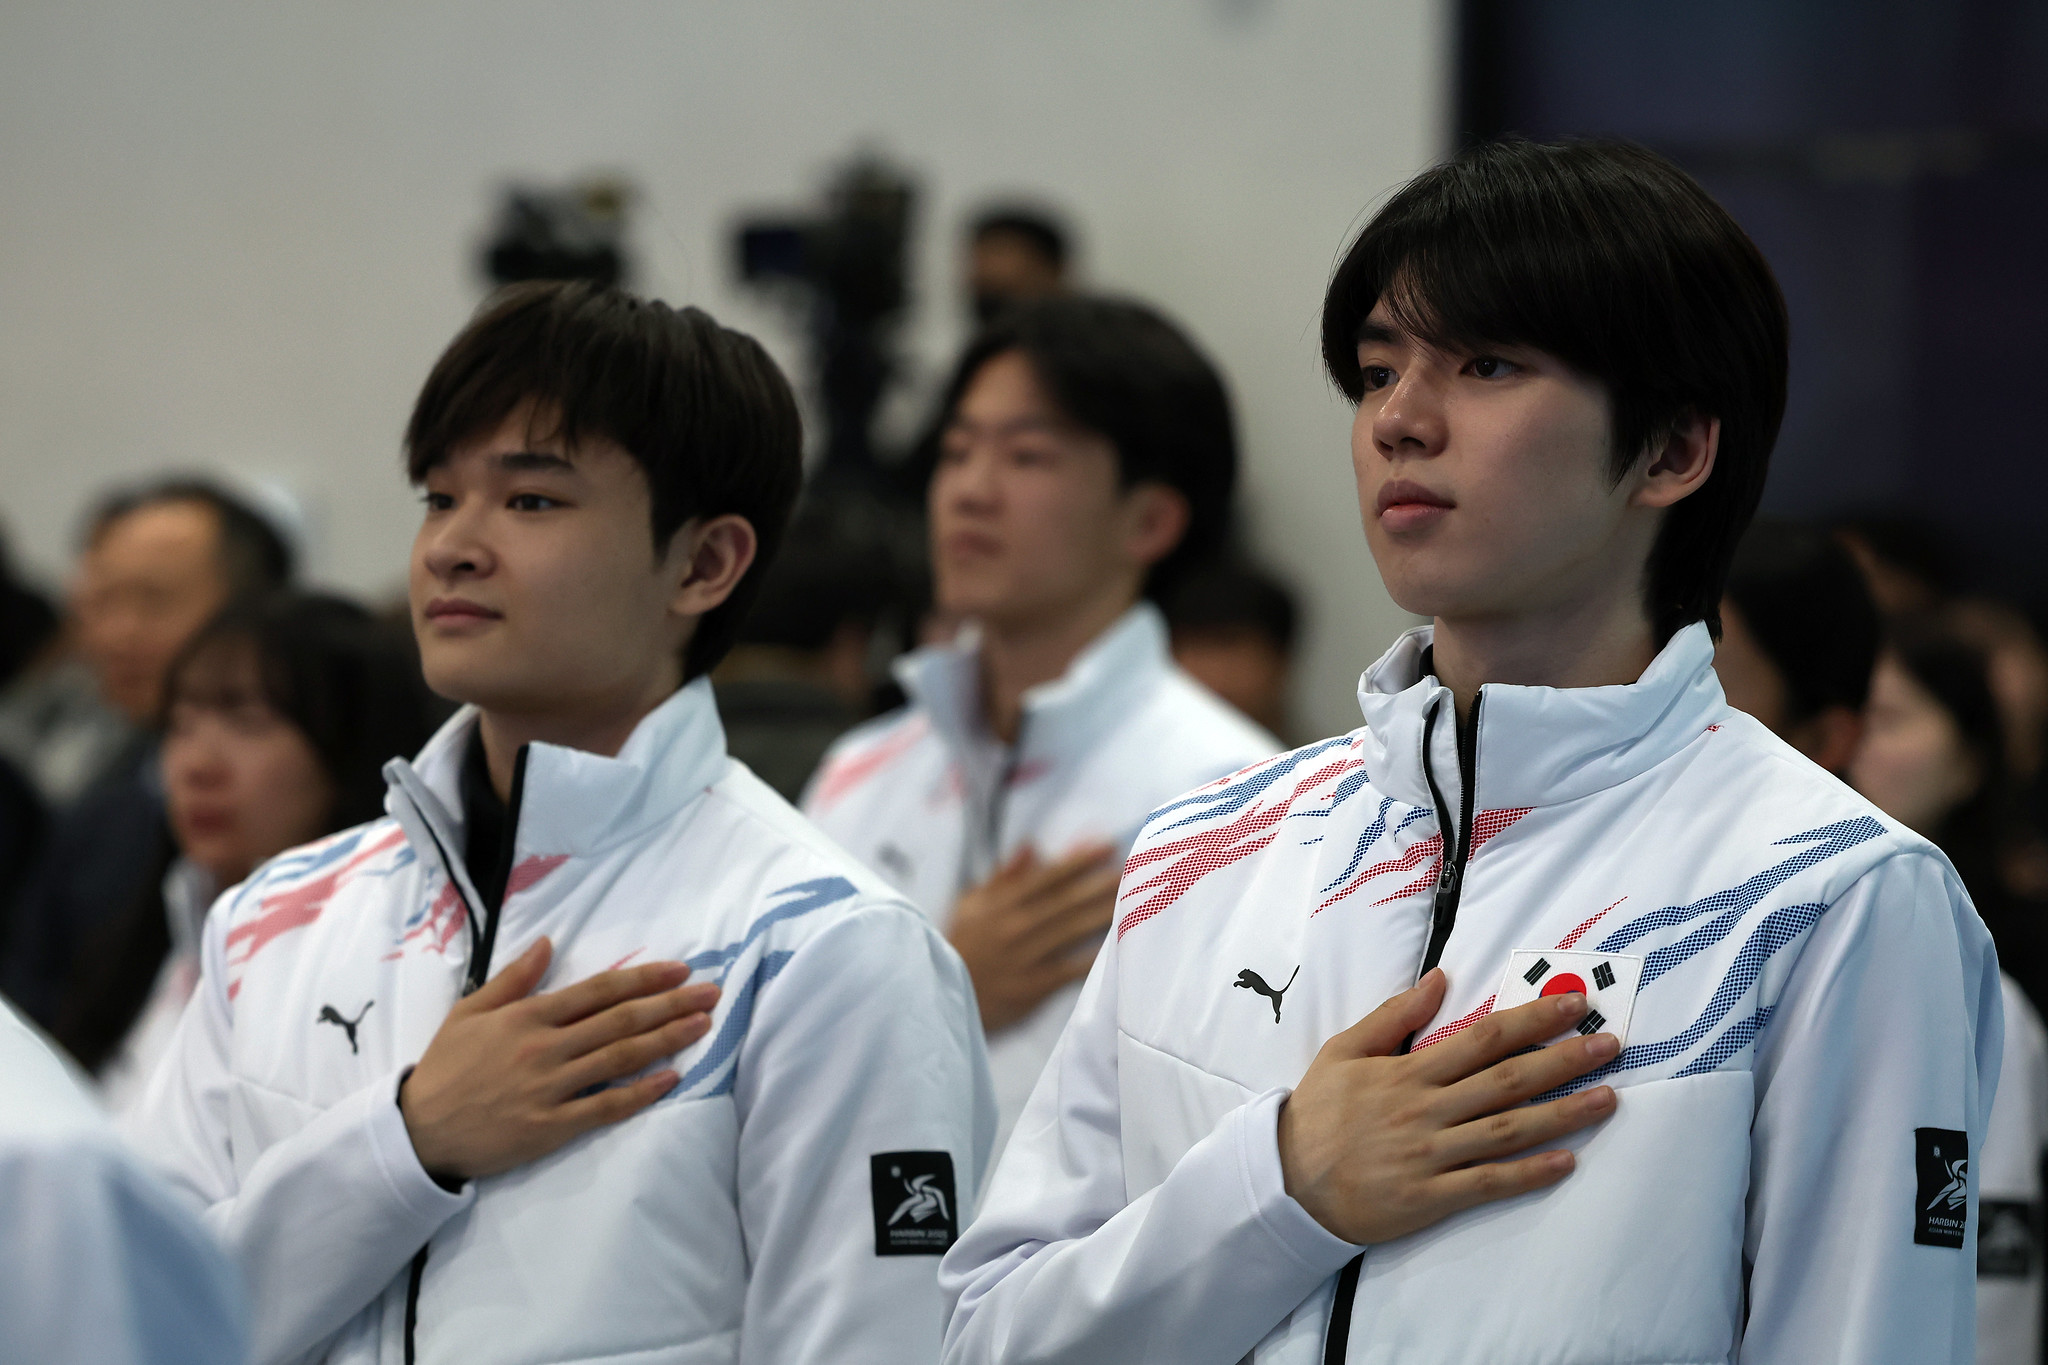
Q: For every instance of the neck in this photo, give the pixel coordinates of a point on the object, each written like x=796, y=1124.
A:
x=1017, y=656
x=1586, y=645
x=599, y=729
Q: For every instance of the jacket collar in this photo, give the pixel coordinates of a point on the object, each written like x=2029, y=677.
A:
x=1537, y=746
x=1062, y=718
x=573, y=802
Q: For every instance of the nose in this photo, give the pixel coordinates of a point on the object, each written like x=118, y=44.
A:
x=1410, y=418
x=194, y=760
x=967, y=482
x=453, y=547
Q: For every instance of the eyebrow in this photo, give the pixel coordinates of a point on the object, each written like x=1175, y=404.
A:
x=534, y=462
x=1374, y=333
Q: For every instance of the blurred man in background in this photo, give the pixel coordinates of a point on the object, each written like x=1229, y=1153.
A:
x=797, y=677
x=1233, y=631
x=1015, y=256
x=1799, y=637
x=158, y=563
x=1087, y=451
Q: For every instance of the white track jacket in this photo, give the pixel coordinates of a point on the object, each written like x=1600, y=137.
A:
x=2009, y=1270
x=779, y=1206
x=934, y=802
x=1808, y=1003
x=99, y=1263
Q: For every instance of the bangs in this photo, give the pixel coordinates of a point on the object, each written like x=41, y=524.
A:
x=1471, y=267
x=222, y=669
x=527, y=350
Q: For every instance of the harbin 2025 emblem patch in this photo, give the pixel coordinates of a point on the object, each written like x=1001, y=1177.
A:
x=1607, y=980
x=916, y=1211
x=1941, y=1207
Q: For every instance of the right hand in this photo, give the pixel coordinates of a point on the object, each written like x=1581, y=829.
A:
x=1377, y=1145
x=1021, y=932
x=502, y=1083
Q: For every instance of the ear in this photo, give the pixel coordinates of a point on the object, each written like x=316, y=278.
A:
x=1156, y=516
x=1678, y=469
x=707, y=560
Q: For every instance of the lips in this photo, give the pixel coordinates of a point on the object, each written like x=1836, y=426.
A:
x=1408, y=493
x=455, y=610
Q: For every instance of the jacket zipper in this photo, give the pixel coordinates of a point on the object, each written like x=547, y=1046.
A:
x=992, y=820
x=482, y=939
x=1443, y=916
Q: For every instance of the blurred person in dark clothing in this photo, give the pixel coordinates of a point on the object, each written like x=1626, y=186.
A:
x=28, y=629
x=159, y=562
x=1933, y=757
x=279, y=716
x=1233, y=628
x=1799, y=637
x=798, y=677
x=1014, y=255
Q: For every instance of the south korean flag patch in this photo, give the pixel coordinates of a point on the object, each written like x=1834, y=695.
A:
x=1607, y=980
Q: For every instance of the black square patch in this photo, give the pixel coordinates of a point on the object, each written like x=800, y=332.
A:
x=1941, y=1207
x=916, y=1211
x=2008, y=1238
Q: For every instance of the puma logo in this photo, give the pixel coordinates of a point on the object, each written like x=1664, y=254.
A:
x=1249, y=980
x=331, y=1015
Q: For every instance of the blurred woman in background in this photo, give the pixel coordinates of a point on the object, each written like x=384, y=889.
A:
x=1934, y=756
x=278, y=719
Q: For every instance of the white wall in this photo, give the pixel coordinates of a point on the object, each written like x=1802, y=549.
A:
x=233, y=236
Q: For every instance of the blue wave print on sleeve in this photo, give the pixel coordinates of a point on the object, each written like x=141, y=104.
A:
x=726, y=1046
x=805, y=897
x=1778, y=928
x=1728, y=1044
x=1827, y=841
x=1342, y=792
x=1373, y=832
x=313, y=859
x=1239, y=794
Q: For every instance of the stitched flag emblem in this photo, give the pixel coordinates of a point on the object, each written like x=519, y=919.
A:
x=1607, y=980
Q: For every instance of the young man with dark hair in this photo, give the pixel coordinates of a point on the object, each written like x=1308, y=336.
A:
x=1779, y=1012
x=1087, y=450
x=592, y=1048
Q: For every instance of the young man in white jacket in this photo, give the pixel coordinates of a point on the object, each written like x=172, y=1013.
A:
x=1087, y=447
x=592, y=1049
x=1569, y=365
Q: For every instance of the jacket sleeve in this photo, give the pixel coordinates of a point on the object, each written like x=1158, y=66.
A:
x=318, y=1223
x=1062, y=1265
x=2009, y=1271
x=1887, y=1034
x=99, y=1263
x=863, y=1070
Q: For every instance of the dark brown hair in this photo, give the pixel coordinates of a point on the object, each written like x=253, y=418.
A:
x=1615, y=261
x=701, y=409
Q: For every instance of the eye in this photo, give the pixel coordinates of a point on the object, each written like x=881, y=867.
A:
x=1375, y=376
x=1492, y=367
x=437, y=502
x=531, y=502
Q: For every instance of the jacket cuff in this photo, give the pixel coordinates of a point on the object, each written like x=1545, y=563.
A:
x=391, y=1147
x=1257, y=1140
